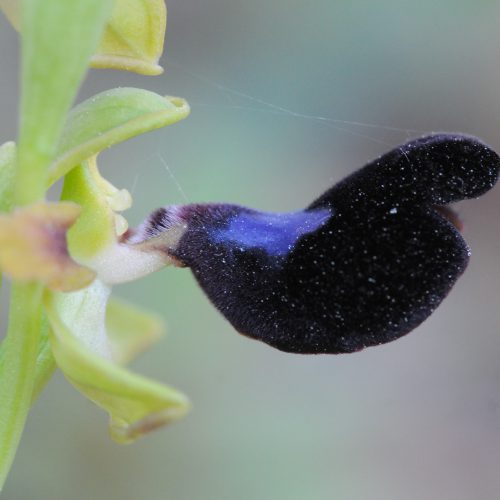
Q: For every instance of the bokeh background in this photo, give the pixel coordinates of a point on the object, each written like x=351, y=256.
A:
x=288, y=97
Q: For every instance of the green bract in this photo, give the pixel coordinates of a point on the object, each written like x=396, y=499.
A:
x=49, y=248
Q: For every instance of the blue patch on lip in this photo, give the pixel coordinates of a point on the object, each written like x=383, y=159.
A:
x=275, y=233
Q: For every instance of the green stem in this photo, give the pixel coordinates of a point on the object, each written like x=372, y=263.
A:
x=31, y=176
x=17, y=371
x=45, y=362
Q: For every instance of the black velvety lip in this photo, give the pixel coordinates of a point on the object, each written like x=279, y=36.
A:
x=364, y=264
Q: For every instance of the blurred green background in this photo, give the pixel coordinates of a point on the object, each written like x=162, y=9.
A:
x=345, y=81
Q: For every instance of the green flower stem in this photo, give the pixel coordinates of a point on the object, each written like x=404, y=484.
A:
x=58, y=39
x=45, y=362
x=31, y=177
x=17, y=371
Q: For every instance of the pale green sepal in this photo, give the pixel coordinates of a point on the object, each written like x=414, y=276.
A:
x=133, y=38
x=131, y=329
x=136, y=405
x=58, y=39
x=7, y=174
x=111, y=117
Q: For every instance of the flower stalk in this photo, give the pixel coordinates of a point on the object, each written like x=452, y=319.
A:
x=17, y=370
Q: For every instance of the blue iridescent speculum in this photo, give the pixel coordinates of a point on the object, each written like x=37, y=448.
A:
x=363, y=265
x=275, y=233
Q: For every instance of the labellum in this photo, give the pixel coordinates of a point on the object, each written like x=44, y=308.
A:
x=363, y=265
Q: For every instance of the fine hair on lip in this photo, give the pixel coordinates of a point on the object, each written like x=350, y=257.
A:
x=159, y=222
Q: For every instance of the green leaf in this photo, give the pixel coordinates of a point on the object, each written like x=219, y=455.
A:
x=58, y=39
x=131, y=329
x=111, y=117
x=134, y=35
x=7, y=175
x=136, y=404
